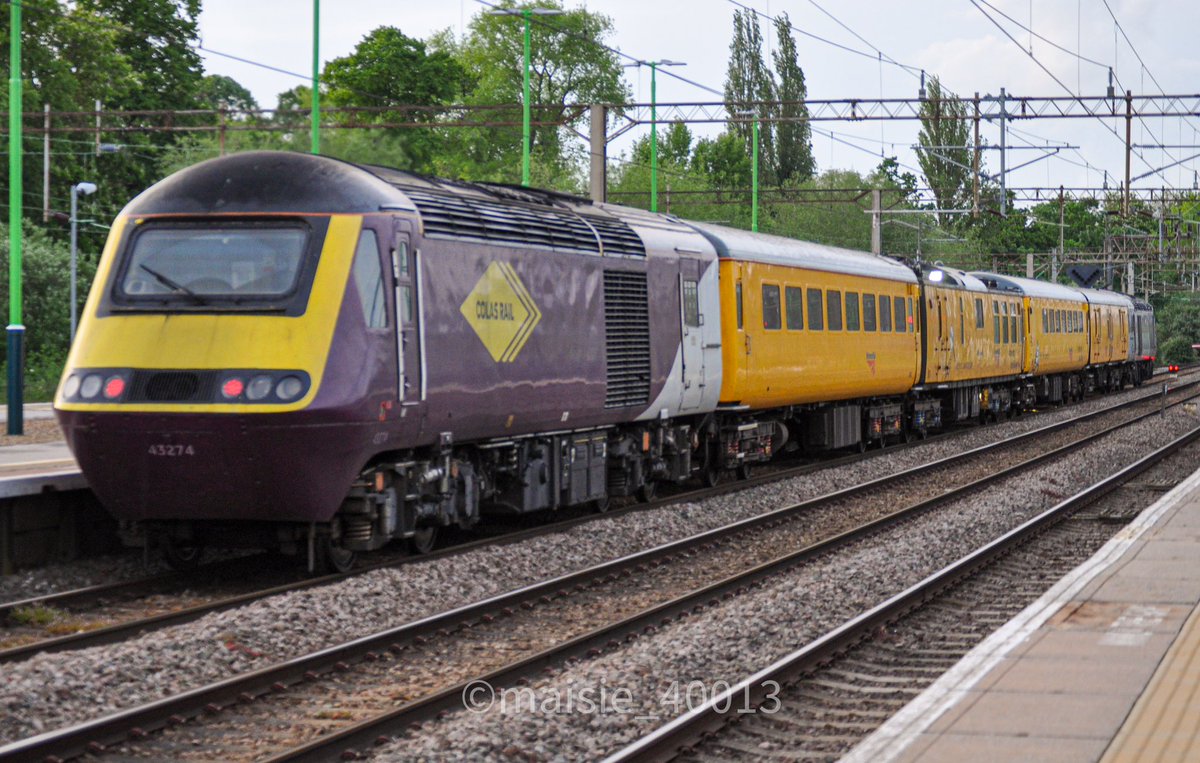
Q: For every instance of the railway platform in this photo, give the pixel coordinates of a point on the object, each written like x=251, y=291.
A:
x=1104, y=667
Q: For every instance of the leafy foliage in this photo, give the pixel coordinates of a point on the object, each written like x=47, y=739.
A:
x=944, y=153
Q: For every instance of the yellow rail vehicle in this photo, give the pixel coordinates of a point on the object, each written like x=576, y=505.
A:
x=971, y=333
x=824, y=326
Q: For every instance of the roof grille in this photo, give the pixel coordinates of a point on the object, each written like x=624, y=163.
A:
x=448, y=215
x=626, y=339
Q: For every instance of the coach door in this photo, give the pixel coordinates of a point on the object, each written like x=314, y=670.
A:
x=406, y=267
x=691, y=321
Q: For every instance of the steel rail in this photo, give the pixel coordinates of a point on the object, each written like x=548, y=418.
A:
x=675, y=737
x=119, y=631
x=592, y=643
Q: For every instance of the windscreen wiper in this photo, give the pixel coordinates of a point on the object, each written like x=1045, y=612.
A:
x=172, y=284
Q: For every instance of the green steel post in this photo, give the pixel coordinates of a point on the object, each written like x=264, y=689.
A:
x=316, y=77
x=525, y=136
x=16, y=331
x=754, y=181
x=653, y=141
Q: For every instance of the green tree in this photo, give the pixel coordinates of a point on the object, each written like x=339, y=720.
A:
x=569, y=65
x=747, y=81
x=220, y=92
x=387, y=67
x=944, y=153
x=793, y=135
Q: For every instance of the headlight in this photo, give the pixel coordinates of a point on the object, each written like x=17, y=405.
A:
x=71, y=388
x=91, y=386
x=259, y=387
x=289, y=388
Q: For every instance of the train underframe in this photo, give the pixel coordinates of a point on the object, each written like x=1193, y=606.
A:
x=414, y=495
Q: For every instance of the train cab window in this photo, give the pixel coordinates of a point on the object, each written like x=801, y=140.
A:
x=1004, y=322
x=770, y=307
x=738, y=292
x=816, y=311
x=794, y=297
x=978, y=313
x=833, y=308
x=912, y=317
x=899, y=322
x=368, y=279
x=995, y=322
x=1012, y=324
x=852, y=311
x=885, y=313
x=1045, y=322
x=868, y=312
x=961, y=320
x=691, y=304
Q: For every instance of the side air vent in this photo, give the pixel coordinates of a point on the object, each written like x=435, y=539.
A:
x=451, y=216
x=626, y=339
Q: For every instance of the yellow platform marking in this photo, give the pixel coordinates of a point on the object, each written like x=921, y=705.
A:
x=1164, y=725
x=501, y=311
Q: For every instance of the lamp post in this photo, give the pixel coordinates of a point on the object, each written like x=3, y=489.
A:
x=16, y=331
x=527, y=14
x=654, y=125
x=86, y=189
x=753, y=171
x=315, y=126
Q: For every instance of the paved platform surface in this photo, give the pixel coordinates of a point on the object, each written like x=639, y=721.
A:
x=1104, y=667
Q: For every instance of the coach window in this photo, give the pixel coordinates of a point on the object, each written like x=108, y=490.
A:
x=691, y=304
x=738, y=291
x=868, y=311
x=885, y=313
x=852, y=311
x=794, y=297
x=899, y=322
x=962, y=320
x=912, y=317
x=368, y=278
x=995, y=322
x=770, y=307
x=1045, y=322
x=978, y=313
x=833, y=305
x=816, y=320
x=1004, y=322
x=1012, y=323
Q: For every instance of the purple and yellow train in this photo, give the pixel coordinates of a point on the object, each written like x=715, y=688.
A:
x=294, y=352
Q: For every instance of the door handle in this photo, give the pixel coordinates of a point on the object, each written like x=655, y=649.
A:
x=747, y=344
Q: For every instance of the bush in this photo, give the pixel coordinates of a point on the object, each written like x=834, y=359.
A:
x=1177, y=349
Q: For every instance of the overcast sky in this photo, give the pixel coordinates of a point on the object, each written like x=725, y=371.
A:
x=951, y=38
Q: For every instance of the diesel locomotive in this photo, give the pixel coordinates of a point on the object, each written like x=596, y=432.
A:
x=290, y=351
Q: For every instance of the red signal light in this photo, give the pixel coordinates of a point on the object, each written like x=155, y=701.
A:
x=232, y=388
x=114, y=387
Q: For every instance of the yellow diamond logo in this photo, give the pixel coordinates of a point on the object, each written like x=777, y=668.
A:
x=501, y=311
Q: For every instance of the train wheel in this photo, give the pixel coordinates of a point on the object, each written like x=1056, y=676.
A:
x=332, y=558
x=745, y=471
x=182, y=556
x=423, y=540
x=601, y=505
x=646, y=492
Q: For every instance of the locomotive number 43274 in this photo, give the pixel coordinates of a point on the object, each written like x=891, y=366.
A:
x=172, y=450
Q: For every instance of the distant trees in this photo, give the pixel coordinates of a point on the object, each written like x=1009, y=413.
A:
x=944, y=151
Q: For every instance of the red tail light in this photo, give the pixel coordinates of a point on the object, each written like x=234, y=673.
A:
x=232, y=388
x=114, y=387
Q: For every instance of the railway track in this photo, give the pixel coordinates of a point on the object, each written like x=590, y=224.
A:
x=114, y=612
x=840, y=687
x=341, y=686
